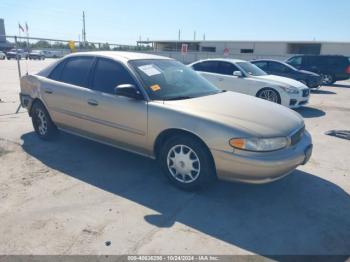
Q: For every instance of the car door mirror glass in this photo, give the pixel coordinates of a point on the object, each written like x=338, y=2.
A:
x=128, y=90
x=237, y=73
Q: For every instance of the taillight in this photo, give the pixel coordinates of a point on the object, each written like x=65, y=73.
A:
x=348, y=69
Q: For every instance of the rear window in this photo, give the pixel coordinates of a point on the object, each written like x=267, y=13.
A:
x=334, y=60
x=56, y=73
x=76, y=71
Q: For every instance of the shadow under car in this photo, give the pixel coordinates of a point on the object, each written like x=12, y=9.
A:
x=300, y=214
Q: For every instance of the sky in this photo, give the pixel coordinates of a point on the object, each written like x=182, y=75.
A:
x=124, y=22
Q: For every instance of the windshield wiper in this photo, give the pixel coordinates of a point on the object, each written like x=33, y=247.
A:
x=178, y=98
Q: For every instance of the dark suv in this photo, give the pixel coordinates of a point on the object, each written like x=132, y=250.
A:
x=331, y=67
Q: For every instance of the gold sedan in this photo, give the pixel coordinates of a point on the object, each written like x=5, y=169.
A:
x=159, y=108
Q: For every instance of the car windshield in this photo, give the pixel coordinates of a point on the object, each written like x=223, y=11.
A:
x=289, y=66
x=251, y=69
x=36, y=52
x=171, y=80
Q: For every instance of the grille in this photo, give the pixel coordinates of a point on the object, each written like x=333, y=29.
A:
x=295, y=138
x=306, y=92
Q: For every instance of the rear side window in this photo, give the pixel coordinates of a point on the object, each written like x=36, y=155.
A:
x=57, y=72
x=337, y=61
x=207, y=66
x=76, y=71
x=108, y=75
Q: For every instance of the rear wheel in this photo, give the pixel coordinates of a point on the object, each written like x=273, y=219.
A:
x=269, y=94
x=187, y=162
x=43, y=125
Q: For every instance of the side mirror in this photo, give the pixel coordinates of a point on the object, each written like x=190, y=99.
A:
x=128, y=90
x=237, y=73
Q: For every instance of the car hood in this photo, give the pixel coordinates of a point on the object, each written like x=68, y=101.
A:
x=308, y=72
x=281, y=81
x=248, y=114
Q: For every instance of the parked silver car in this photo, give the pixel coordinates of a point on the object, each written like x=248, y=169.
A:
x=159, y=108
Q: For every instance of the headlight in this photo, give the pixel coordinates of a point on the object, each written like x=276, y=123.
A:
x=290, y=89
x=259, y=144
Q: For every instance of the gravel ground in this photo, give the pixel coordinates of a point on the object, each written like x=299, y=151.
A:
x=72, y=196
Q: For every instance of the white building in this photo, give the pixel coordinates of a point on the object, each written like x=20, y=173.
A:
x=246, y=49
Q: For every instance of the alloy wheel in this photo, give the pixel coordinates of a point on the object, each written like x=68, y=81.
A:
x=327, y=79
x=269, y=95
x=41, y=122
x=183, y=164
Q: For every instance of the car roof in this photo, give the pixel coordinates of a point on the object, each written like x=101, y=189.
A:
x=230, y=60
x=267, y=60
x=120, y=55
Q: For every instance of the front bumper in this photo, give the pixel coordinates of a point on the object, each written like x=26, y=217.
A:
x=297, y=100
x=259, y=168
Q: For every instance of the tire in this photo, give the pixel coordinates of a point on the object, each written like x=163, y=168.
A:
x=269, y=94
x=327, y=79
x=187, y=162
x=42, y=123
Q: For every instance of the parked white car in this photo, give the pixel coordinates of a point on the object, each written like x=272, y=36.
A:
x=2, y=55
x=244, y=77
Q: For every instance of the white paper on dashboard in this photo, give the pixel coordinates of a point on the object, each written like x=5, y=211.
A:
x=149, y=70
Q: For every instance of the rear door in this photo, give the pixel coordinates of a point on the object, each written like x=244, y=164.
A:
x=65, y=92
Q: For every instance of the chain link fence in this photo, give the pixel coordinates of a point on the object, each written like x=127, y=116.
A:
x=56, y=48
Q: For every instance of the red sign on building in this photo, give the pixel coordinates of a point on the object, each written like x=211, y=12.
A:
x=184, y=48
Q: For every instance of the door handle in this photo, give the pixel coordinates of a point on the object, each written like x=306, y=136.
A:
x=220, y=79
x=48, y=91
x=92, y=102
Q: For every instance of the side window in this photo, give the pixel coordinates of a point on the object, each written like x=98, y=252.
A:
x=227, y=68
x=313, y=61
x=108, y=75
x=207, y=66
x=261, y=64
x=57, y=71
x=277, y=67
x=76, y=71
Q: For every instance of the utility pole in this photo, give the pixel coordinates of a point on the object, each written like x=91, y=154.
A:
x=194, y=36
x=179, y=34
x=203, y=37
x=84, y=30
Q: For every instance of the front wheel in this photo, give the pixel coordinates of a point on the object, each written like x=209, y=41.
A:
x=327, y=79
x=43, y=125
x=187, y=162
x=269, y=94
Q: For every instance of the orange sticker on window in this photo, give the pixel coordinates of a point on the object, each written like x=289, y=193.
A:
x=155, y=88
